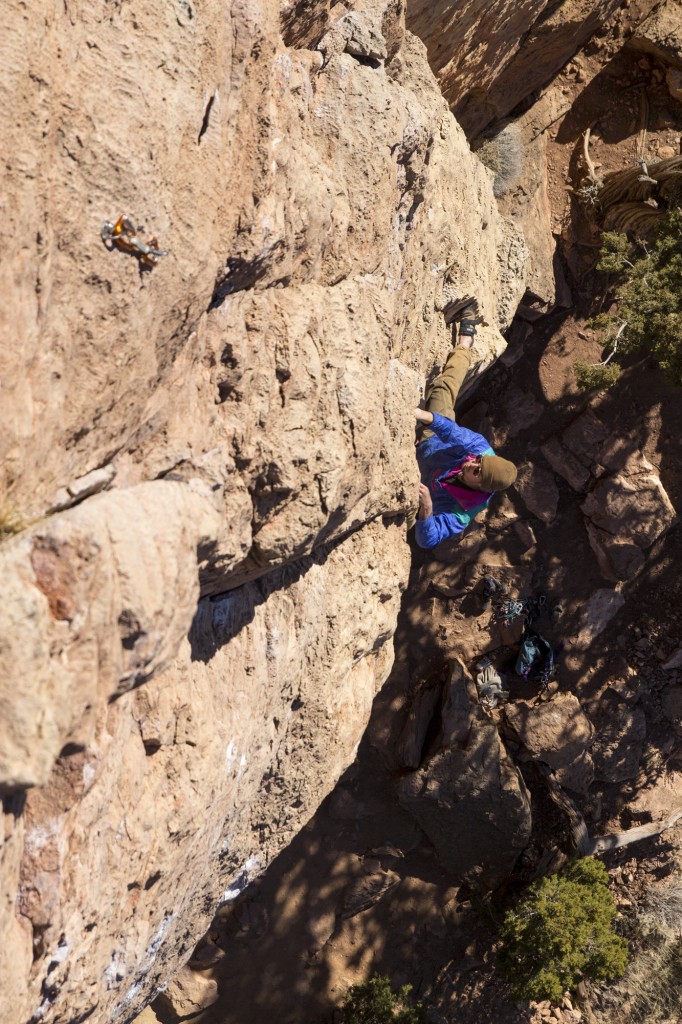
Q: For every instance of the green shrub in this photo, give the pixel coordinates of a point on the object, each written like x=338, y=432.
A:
x=595, y=376
x=561, y=930
x=375, y=1003
x=648, y=294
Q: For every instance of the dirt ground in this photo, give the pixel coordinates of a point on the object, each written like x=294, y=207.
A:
x=360, y=890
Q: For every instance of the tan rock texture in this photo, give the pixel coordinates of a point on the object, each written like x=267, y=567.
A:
x=196, y=779
x=232, y=427
x=87, y=615
x=488, y=55
x=626, y=506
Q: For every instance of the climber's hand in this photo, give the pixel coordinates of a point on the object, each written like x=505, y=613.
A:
x=425, y=503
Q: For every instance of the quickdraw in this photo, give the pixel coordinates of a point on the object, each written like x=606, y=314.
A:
x=124, y=235
x=531, y=608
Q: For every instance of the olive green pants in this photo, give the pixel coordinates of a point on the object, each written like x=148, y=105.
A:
x=442, y=394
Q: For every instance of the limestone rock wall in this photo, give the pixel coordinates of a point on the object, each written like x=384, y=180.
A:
x=194, y=781
x=244, y=410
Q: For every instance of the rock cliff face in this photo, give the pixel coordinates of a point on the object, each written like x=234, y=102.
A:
x=211, y=458
x=489, y=55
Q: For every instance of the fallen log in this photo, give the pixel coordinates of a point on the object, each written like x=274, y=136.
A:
x=586, y=846
x=633, y=835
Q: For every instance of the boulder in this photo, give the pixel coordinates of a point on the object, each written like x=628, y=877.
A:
x=618, y=557
x=557, y=733
x=599, y=609
x=674, y=661
x=566, y=465
x=584, y=438
x=660, y=34
x=623, y=455
x=187, y=994
x=538, y=490
x=635, y=509
x=120, y=861
x=468, y=797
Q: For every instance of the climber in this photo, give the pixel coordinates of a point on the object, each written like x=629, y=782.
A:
x=459, y=470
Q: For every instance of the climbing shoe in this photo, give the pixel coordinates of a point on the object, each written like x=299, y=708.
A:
x=462, y=309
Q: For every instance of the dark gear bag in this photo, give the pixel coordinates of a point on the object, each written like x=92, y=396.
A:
x=536, y=658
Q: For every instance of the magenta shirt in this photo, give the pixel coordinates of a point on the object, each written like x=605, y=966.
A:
x=464, y=496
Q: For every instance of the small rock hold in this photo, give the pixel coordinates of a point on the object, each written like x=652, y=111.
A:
x=206, y=956
x=91, y=483
x=387, y=851
x=674, y=661
x=188, y=993
x=61, y=500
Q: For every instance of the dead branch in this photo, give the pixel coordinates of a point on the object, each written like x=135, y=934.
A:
x=591, y=170
x=588, y=847
x=633, y=835
x=643, y=125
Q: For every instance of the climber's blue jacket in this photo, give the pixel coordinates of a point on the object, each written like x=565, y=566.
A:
x=437, y=457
